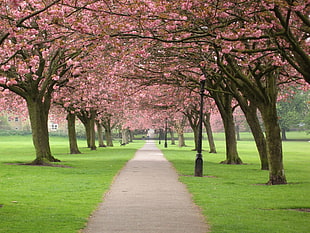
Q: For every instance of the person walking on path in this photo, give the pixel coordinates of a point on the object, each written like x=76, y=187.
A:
x=146, y=197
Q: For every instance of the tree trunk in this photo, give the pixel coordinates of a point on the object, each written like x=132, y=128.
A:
x=106, y=123
x=206, y=121
x=92, y=132
x=125, y=139
x=179, y=128
x=237, y=128
x=72, y=134
x=232, y=156
x=273, y=132
x=250, y=112
x=38, y=114
x=283, y=131
x=193, y=119
x=172, y=137
x=259, y=137
x=181, y=140
x=100, y=134
x=195, y=131
x=88, y=120
x=130, y=135
x=224, y=102
x=87, y=133
x=262, y=91
x=274, y=146
x=108, y=135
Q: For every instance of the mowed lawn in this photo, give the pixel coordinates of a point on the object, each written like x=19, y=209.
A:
x=234, y=198
x=54, y=199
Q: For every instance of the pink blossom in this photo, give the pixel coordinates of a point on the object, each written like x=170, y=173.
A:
x=55, y=77
x=45, y=54
x=2, y=80
x=6, y=67
x=11, y=82
x=226, y=50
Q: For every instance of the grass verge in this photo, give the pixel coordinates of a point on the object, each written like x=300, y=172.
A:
x=54, y=199
x=234, y=198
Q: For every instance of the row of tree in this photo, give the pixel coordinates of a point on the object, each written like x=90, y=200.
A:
x=113, y=62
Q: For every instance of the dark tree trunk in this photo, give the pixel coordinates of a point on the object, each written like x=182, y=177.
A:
x=195, y=131
x=261, y=89
x=224, y=102
x=232, y=156
x=193, y=119
x=259, y=137
x=87, y=134
x=92, y=132
x=38, y=114
x=273, y=132
x=274, y=146
x=108, y=136
x=130, y=136
x=74, y=149
x=207, y=124
x=106, y=123
x=283, y=131
x=100, y=134
x=250, y=112
x=88, y=120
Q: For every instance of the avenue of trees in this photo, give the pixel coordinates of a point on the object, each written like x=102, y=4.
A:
x=131, y=63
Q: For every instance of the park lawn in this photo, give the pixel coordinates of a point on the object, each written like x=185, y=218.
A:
x=234, y=198
x=54, y=199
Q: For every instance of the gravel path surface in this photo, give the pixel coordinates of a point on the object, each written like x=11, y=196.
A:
x=147, y=197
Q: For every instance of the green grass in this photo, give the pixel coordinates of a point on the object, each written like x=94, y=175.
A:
x=246, y=136
x=233, y=197
x=54, y=199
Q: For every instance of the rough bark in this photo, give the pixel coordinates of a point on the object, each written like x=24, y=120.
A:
x=88, y=120
x=259, y=137
x=250, y=112
x=74, y=149
x=261, y=89
x=224, y=104
x=273, y=133
x=38, y=114
x=274, y=146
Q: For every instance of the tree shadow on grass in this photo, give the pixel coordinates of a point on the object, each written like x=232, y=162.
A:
x=299, y=209
x=40, y=165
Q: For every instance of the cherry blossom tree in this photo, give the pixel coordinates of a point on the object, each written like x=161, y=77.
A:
x=37, y=55
x=248, y=30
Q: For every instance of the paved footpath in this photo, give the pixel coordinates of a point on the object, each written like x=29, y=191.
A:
x=146, y=197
